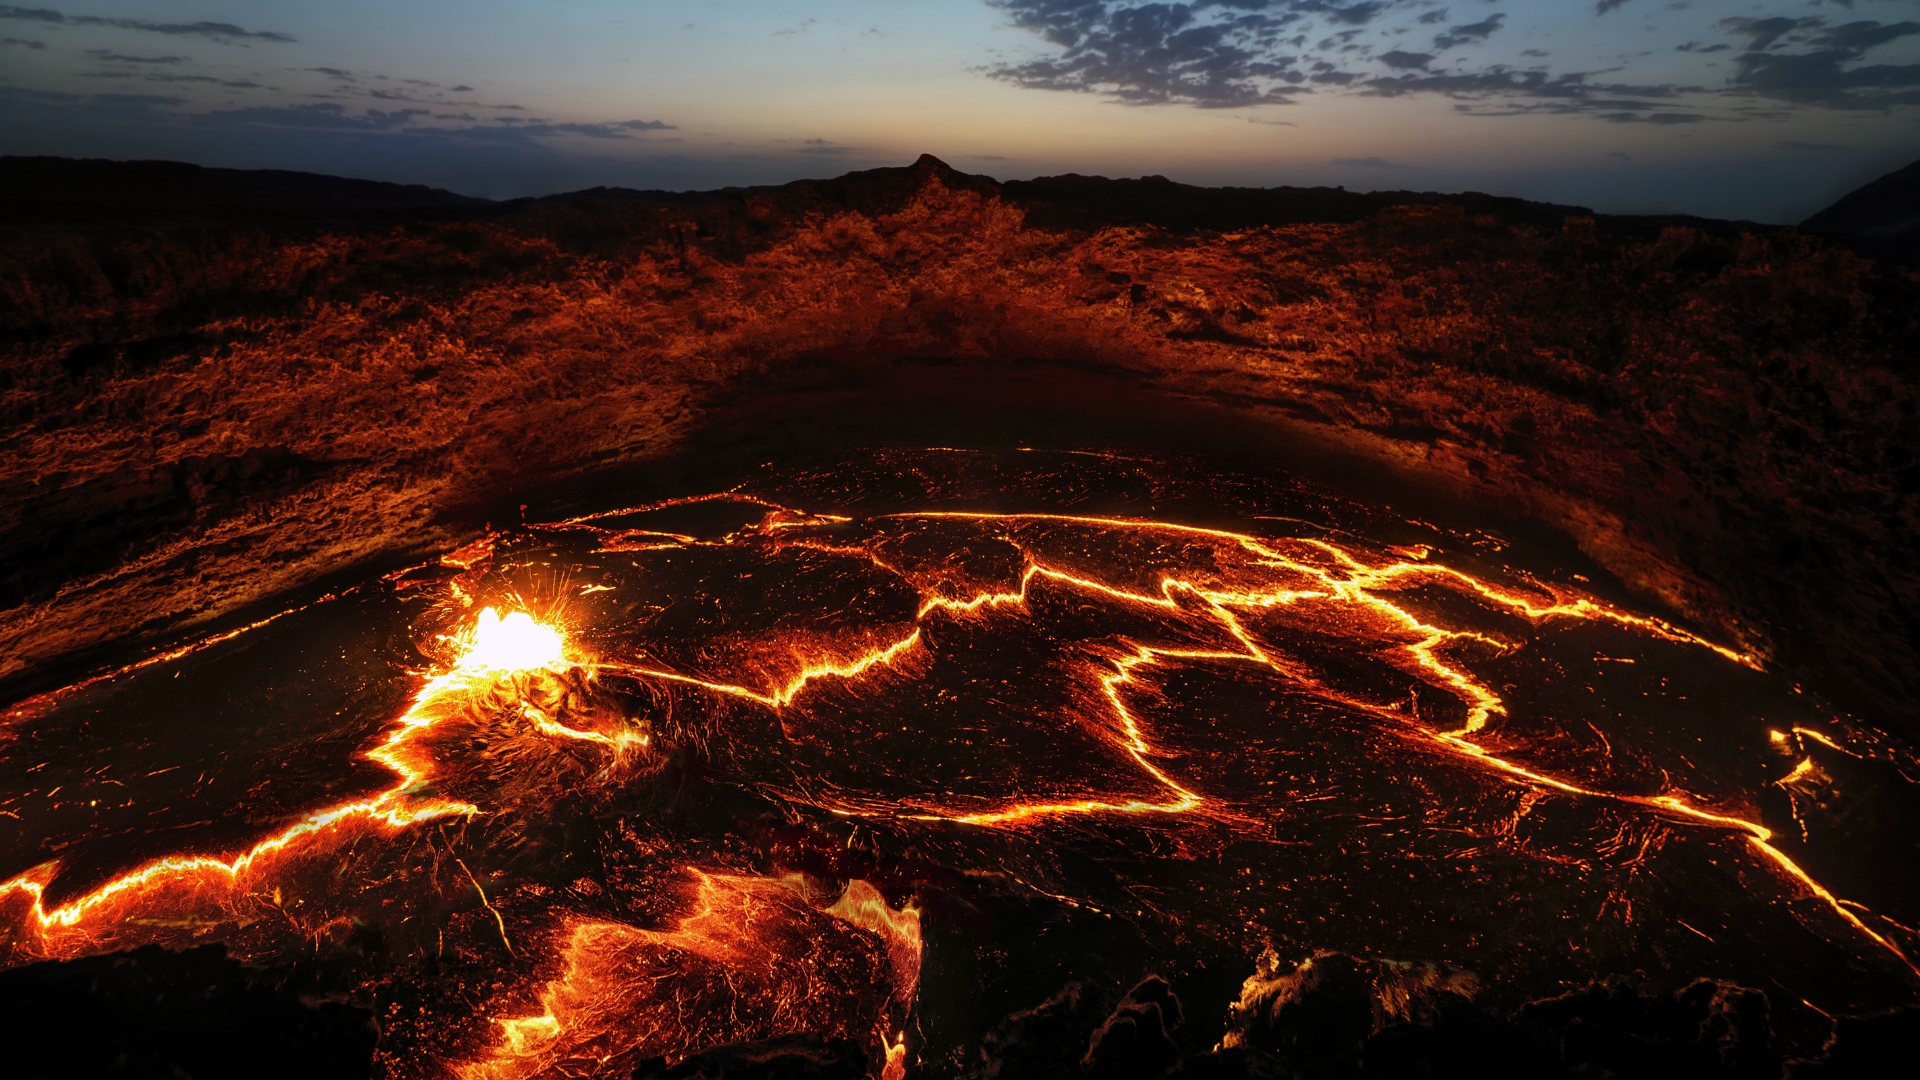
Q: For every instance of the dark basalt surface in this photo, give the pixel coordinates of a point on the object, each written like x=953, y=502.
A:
x=156, y=1013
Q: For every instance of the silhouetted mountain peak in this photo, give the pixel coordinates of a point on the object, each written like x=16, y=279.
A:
x=1881, y=219
x=46, y=190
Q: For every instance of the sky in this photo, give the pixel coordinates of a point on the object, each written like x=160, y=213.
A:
x=1724, y=108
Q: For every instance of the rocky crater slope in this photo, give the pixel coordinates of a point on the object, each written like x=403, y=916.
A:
x=208, y=402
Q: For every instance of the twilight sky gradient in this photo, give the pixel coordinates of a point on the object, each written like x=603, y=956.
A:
x=1726, y=108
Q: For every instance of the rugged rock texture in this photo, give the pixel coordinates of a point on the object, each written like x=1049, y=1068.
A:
x=794, y=1057
x=1336, y=1018
x=196, y=417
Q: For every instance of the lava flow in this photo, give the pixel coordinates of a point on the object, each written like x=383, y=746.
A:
x=495, y=648
x=560, y=834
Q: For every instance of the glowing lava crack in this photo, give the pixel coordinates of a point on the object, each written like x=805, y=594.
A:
x=1113, y=612
x=495, y=649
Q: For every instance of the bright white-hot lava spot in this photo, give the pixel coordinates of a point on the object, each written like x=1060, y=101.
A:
x=714, y=808
x=513, y=643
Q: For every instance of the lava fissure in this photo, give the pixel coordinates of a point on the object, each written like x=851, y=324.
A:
x=1224, y=599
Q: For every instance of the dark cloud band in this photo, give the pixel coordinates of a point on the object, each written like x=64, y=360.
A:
x=1216, y=53
x=216, y=30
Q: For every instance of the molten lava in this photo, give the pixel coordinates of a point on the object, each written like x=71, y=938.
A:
x=515, y=643
x=552, y=830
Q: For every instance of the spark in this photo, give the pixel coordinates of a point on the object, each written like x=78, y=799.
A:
x=485, y=903
x=624, y=989
x=1826, y=741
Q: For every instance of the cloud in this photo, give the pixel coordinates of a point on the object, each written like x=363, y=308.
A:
x=1858, y=37
x=139, y=99
x=334, y=117
x=23, y=43
x=1236, y=53
x=1214, y=54
x=1662, y=118
x=22, y=94
x=823, y=148
x=1796, y=144
x=329, y=116
x=215, y=30
x=36, y=14
x=1367, y=163
x=1351, y=15
x=107, y=56
x=170, y=77
x=1218, y=53
x=1831, y=75
x=1821, y=79
x=236, y=84
x=1763, y=33
x=1470, y=33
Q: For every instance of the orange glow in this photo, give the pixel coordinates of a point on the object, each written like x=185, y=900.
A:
x=1338, y=575
x=1824, y=740
x=611, y=992
x=895, y=1067
x=781, y=695
x=751, y=959
x=515, y=643
x=495, y=647
x=39, y=704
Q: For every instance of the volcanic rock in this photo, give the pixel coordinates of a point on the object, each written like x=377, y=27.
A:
x=1133, y=1043
x=155, y=1013
x=1723, y=417
x=1047, y=1041
x=791, y=1057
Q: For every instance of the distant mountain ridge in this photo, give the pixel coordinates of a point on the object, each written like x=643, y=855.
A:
x=52, y=190
x=1881, y=219
x=37, y=191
